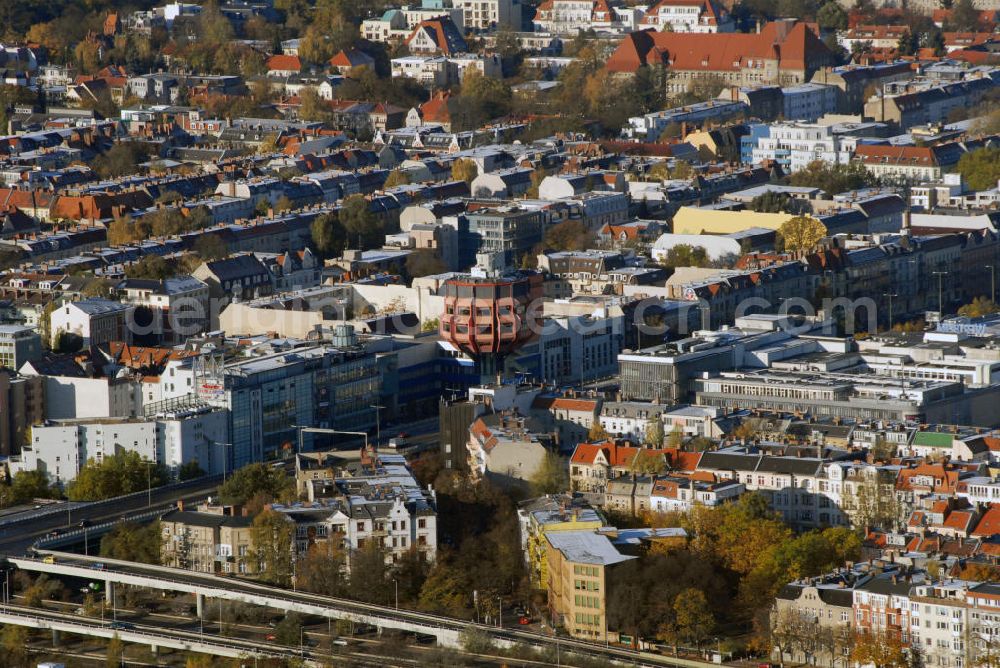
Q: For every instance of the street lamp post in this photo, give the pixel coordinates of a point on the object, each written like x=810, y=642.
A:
x=500, y=611
x=378, y=423
x=940, y=275
x=395, y=584
x=890, y=295
x=993, y=282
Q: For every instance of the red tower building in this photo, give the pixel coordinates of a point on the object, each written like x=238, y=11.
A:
x=489, y=317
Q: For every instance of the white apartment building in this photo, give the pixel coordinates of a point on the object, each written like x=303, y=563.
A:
x=95, y=321
x=939, y=618
x=382, y=504
x=397, y=24
x=196, y=433
x=564, y=17
x=677, y=494
x=808, y=101
x=795, y=145
x=180, y=305
x=489, y=14
x=629, y=419
x=441, y=71
x=699, y=16
x=429, y=71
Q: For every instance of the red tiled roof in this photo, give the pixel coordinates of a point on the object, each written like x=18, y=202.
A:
x=616, y=455
x=714, y=52
x=351, y=58
x=989, y=523
x=282, y=62
x=909, y=155
x=436, y=109
x=567, y=404
x=959, y=520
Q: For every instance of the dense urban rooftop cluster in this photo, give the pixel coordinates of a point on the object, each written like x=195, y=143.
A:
x=669, y=325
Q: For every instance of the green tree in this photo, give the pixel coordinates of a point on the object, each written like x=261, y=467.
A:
x=771, y=202
x=964, y=17
x=327, y=234
x=879, y=649
x=321, y=571
x=272, y=538
x=444, y=591
x=552, y=476
x=909, y=43
x=129, y=541
x=360, y=223
x=210, y=247
x=122, y=473
x=332, y=29
x=648, y=462
x=685, y=255
x=693, y=618
x=289, y=630
x=832, y=179
x=115, y=653
x=253, y=480
x=831, y=17
x=153, y=267
x=369, y=575
x=654, y=432
x=979, y=306
x=676, y=438
x=29, y=485
x=569, y=235
x=410, y=572
x=312, y=107
x=482, y=99
x=14, y=640
x=190, y=471
x=396, y=178
x=121, y=159
x=97, y=287
x=597, y=433
x=537, y=176
x=464, y=169
x=801, y=234
x=981, y=168
x=424, y=262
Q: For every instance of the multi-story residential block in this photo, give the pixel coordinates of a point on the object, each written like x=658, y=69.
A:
x=698, y=16
x=482, y=15
x=795, y=145
x=872, y=36
x=855, y=82
x=670, y=493
x=380, y=501
x=18, y=344
x=630, y=419
x=581, y=567
x=570, y=417
x=194, y=432
x=509, y=232
x=929, y=104
x=96, y=321
x=179, y=306
x=22, y=404
x=210, y=540
x=650, y=127
x=568, y=17
x=546, y=514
